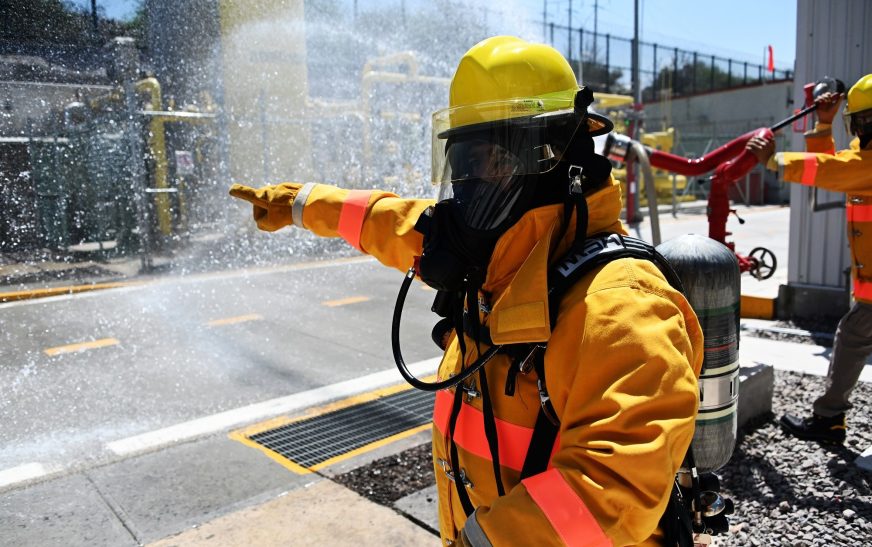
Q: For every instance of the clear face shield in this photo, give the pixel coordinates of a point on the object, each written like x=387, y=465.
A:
x=857, y=123
x=483, y=164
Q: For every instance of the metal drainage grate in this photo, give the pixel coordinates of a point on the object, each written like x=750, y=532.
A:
x=315, y=440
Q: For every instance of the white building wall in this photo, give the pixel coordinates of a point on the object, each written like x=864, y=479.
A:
x=721, y=116
x=832, y=39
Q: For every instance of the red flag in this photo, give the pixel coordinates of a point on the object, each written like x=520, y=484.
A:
x=771, y=66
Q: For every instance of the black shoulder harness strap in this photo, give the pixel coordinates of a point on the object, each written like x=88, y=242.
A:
x=597, y=250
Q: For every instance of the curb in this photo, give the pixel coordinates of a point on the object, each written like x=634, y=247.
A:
x=755, y=307
x=58, y=291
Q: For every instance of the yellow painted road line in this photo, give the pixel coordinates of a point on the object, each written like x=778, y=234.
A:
x=345, y=301
x=82, y=346
x=57, y=291
x=234, y=320
x=33, y=294
x=274, y=456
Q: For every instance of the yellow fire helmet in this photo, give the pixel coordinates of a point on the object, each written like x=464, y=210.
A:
x=512, y=112
x=860, y=96
x=857, y=114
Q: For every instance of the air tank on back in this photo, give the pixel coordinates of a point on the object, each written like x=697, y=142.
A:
x=710, y=274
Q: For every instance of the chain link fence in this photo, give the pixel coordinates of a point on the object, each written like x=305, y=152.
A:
x=604, y=62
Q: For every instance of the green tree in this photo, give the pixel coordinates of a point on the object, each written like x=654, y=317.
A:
x=599, y=78
x=43, y=22
x=51, y=22
x=691, y=78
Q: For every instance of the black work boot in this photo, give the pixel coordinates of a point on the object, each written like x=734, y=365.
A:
x=816, y=428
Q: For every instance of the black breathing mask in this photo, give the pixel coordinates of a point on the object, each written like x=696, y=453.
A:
x=453, y=253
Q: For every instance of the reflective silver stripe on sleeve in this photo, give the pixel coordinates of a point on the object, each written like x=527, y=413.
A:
x=473, y=533
x=779, y=161
x=299, y=202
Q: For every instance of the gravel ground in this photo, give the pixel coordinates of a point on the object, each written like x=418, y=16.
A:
x=800, y=493
x=786, y=492
x=389, y=479
x=817, y=332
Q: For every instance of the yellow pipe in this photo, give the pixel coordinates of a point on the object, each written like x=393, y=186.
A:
x=100, y=101
x=606, y=101
x=157, y=148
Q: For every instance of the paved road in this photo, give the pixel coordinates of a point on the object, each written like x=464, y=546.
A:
x=83, y=371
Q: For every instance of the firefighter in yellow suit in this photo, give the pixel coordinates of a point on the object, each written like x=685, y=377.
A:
x=622, y=360
x=848, y=171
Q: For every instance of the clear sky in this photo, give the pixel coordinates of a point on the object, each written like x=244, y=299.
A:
x=740, y=29
x=114, y=9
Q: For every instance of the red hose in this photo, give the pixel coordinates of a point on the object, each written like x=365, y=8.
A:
x=693, y=167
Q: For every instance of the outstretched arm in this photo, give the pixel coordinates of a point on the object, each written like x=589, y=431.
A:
x=375, y=222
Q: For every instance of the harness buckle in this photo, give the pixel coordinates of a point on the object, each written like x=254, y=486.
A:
x=575, y=177
x=527, y=364
x=470, y=391
x=446, y=468
x=545, y=403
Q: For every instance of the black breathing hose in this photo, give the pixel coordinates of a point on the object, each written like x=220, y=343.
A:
x=398, y=356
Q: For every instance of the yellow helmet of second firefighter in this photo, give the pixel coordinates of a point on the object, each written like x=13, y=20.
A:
x=860, y=96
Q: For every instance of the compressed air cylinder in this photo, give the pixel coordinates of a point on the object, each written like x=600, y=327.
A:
x=710, y=274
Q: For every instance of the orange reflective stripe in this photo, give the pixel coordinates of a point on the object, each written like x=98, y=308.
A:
x=352, y=215
x=442, y=410
x=569, y=516
x=469, y=432
x=859, y=213
x=809, y=169
x=862, y=289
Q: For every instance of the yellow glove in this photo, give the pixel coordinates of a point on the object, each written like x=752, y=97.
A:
x=272, y=204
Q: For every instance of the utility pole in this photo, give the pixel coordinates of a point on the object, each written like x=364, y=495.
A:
x=633, y=171
x=94, y=19
x=637, y=93
x=569, y=33
x=595, y=35
x=544, y=20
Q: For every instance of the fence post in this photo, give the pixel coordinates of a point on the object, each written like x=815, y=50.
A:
x=675, y=72
x=729, y=73
x=693, y=82
x=608, y=85
x=551, y=26
x=137, y=175
x=745, y=74
x=712, y=75
x=580, y=53
x=569, y=36
x=655, y=78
